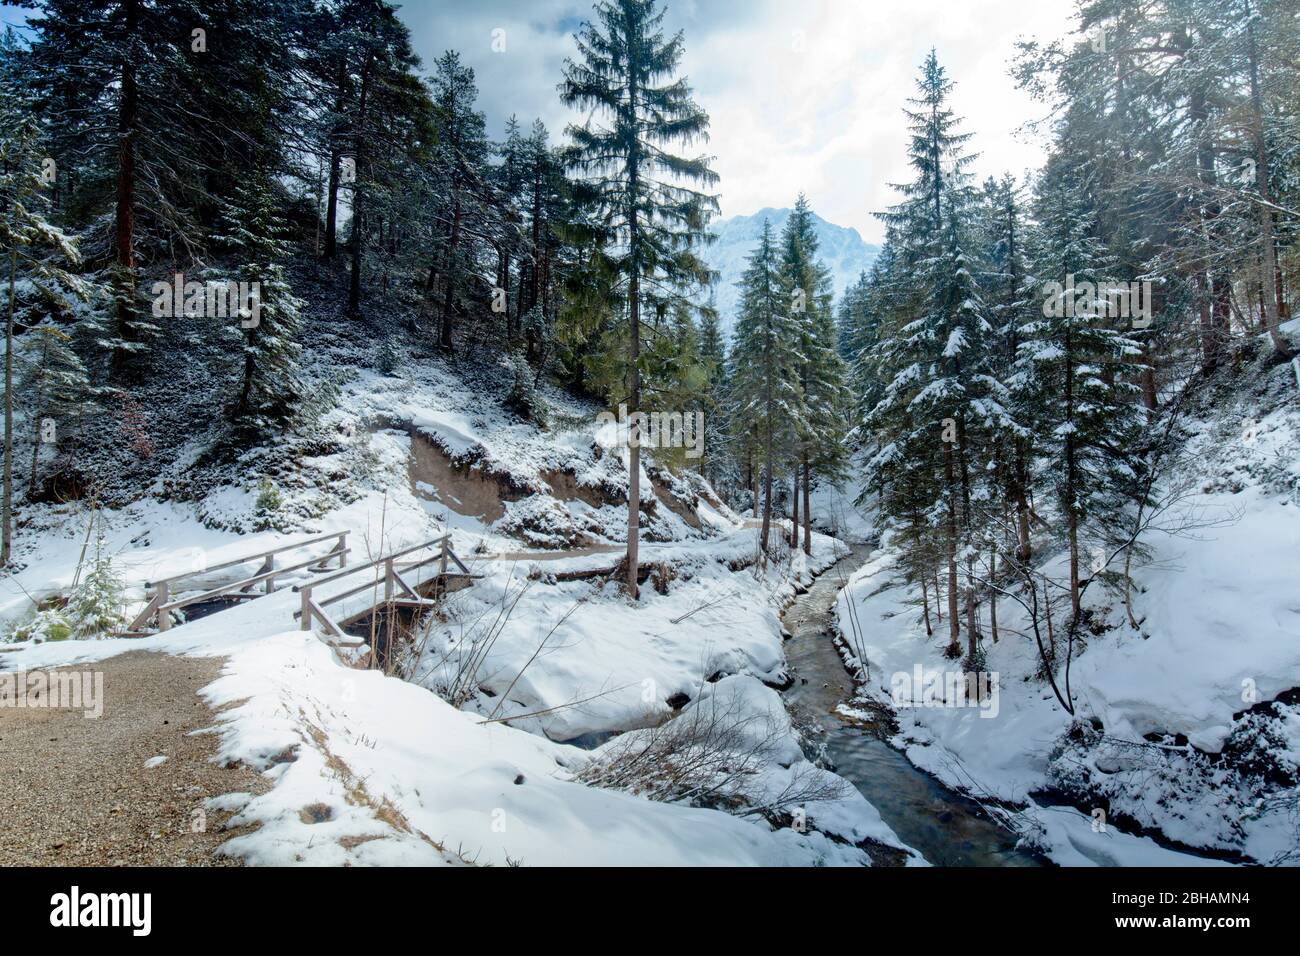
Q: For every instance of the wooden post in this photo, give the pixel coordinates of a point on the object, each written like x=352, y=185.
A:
x=442, y=566
x=342, y=548
x=388, y=581
x=164, y=615
x=306, y=609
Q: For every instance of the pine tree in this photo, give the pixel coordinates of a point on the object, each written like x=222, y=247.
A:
x=939, y=405
x=55, y=389
x=461, y=155
x=820, y=375
x=116, y=80
x=625, y=69
x=33, y=251
x=713, y=356
x=1076, y=362
x=765, y=390
x=271, y=388
x=96, y=603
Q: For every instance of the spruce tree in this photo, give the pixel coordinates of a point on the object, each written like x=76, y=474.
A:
x=713, y=356
x=939, y=404
x=764, y=385
x=1077, y=364
x=821, y=377
x=55, y=389
x=460, y=157
x=640, y=191
x=33, y=251
x=271, y=388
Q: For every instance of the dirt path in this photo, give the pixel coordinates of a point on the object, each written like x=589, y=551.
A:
x=74, y=791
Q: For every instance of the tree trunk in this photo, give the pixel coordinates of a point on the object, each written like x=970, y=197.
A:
x=634, y=452
x=767, y=493
x=242, y=406
x=1208, y=211
x=6, y=518
x=1072, y=524
x=1020, y=469
x=332, y=206
x=445, y=338
x=794, y=508
x=1205, y=321
x=358, y=194
x=1148, y=379
x=993, y=595
x=1268, y=250
x=807, y=507
x=36, y=452
x=925, y=605
x=124, y=224
x=336, y=159
x=950, y=544
x=537, y=233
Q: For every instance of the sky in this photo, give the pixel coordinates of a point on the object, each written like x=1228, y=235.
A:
x=802, y=94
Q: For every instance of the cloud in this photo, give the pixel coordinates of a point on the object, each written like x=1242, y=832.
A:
x=805, y=95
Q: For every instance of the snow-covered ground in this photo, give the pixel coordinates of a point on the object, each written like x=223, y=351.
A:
x=1219, y=614
x=373, y=769
x=836, y=511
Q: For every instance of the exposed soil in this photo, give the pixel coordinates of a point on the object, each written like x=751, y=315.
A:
x=76, y=791
x=465, y=490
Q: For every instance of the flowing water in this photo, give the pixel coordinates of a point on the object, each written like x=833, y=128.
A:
x=947, y=828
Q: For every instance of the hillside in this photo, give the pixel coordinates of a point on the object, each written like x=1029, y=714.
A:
x=1185, y=721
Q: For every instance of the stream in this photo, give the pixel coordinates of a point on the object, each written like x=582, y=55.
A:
x=947, y=828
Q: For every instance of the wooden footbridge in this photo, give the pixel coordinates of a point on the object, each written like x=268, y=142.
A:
x=417, y=576
x=394, y=581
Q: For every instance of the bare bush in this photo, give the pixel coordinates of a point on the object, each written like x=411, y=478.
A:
x=714, y=754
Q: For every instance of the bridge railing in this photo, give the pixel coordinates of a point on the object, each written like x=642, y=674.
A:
x=157, y=612
x=389, y=573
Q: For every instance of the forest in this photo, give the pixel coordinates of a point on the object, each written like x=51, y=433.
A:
x=237, y=237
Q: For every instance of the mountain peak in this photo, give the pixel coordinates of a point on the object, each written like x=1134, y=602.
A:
x=841, y=248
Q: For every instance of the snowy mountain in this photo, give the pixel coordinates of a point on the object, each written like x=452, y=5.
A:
x=842, y=249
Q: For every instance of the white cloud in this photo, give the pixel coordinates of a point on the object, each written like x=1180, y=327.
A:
x=805, y=95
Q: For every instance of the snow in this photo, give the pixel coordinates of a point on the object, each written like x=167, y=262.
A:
x=840, y=248
x=1220, y=630
x=606, y=664
x=1075, y=841
x=374, y=769
x=1228, y=618
x=376, y=749
x=835, y=510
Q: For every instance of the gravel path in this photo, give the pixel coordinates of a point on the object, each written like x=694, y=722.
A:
x=76, y=792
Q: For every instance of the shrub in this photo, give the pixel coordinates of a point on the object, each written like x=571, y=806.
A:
x=47, y=625
x=524, y=399
x=95, y=606
x=390, y=357
x=269, y=499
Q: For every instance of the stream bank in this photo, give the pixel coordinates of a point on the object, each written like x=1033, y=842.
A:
x=947, y=828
